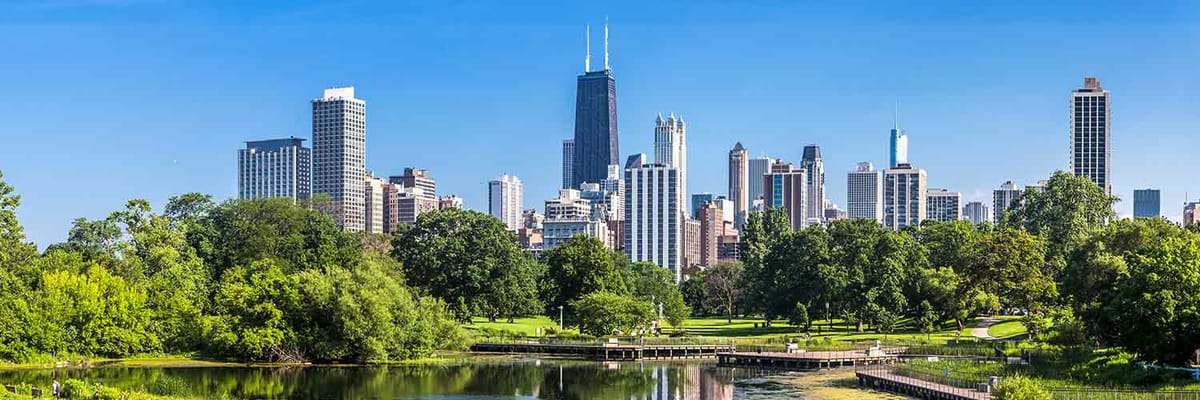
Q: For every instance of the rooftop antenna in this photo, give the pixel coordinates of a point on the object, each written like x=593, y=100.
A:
x=587, y=60
x=606, y=43
x=896, y=117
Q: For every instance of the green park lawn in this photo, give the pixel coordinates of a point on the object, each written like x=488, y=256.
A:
x=1007, y=329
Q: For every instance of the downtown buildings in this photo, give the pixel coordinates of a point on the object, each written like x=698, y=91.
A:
x=943, y=205
x=904, y=201
x=786, y=188
x=274, y=168
x=1091, y=126
x=504, y=200
x=864, y=193
x=654, y=214
x=976, y=212
x=739, y=178
x=814, y=193
x=595, y=141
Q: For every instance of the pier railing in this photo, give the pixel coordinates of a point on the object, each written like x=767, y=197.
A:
x=1117, y=394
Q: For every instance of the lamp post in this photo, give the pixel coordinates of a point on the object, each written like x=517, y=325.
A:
x=560, y=319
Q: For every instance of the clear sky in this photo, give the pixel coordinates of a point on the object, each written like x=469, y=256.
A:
x=106, y=100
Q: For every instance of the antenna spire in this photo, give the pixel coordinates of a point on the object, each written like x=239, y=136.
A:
x=587, y=60
x=896, y=117
x=606, y=43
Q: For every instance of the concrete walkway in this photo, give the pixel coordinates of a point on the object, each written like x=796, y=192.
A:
x=981, y=330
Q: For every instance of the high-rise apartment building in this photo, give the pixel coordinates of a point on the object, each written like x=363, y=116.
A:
x=699, y=200
x=450, y=201
x=274, y=168
x=374, y=204
x=568, y=205
x=596, y=145
x=691, y=243
x=784, y=187
x=712, y=226
x=339, y=169
x=739, y=179
x=1004, y=199
x=759, y=166
x=864, y=193
x=504, y=200
x=904, y=189
x=418, y=178
x=1091, y=126
x=568, y=164
x=1146, y=203
x=976, y=212
x=654, y=214
x=815, y=187
x=670, y=148
x=943, y=205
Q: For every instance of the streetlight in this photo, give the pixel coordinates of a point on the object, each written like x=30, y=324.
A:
x=560, y=319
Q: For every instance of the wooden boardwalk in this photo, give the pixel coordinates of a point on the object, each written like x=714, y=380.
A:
x=885, y=380
x=609, y=352
x=806, y=361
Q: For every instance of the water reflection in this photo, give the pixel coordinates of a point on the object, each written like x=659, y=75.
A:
x=508, y=379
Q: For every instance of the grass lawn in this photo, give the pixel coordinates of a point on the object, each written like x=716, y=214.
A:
x=1007, y=329
x=520, y=326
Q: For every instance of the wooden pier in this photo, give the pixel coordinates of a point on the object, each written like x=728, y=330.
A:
x=806, y=361
x=887, y=381
x=607, y=352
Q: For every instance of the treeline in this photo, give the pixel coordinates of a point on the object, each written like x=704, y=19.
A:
x=1083, y=277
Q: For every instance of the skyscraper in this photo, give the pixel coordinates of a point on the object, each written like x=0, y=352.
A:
x=670, y=148
x=904, y=199
x=943, y=205
x=339, y=169
x=654, y=215
x=1091, y=124
x=1146, y=203
x=815, y=187
x=784, y=188
x=596, y=144
x=568, y=163
x=738, y=181
x=976, y=212
x=1190, y=211
x=504, y=200
x=898, y=150
x=759, y=166
x=274, y=168
x=1003, y=199
x=864, y=193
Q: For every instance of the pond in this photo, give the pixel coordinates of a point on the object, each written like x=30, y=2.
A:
x=476, y=380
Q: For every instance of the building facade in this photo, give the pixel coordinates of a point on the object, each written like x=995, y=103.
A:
x=670, y=148
x=943, y=205
x=1003, y=199
x=556, y=232
x=274, y=168
x=374, y=205
x=339, y=169
x=814, y=195
x=504, y=200
x=691, y=243
x=1190, y=211
x=654, y=215
x=568, y=164
x=898, y=146
x=1091, y=125
x=450, y=201
x=596, y=145
x=785, y=187
x=1146, y=203
x=758, y=167
x=568, y=205
x=904, y=201
x=864, y=193
x=739, y=176
x=976, y=212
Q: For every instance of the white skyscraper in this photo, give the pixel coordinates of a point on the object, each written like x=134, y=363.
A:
x=374, y=204
x=339, y=130
x=274, y=168
x=815, y=186
x=904, y=199
x=670, y=148
x=504, y=200
x=943, y=205
x=759, y=166
x=1091, y=124
x=864, y=193
x=1005, y=198
x=654, y=214
x=976, y=212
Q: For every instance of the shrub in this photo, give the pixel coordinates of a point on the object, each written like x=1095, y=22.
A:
x=76, y=389
x=106, y=393
x=1019, y=388
x=170, y=386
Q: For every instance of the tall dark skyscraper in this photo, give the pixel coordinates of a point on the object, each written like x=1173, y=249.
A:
x=596, y=144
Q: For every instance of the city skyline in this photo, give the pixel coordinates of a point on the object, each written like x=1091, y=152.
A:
x=150, y=156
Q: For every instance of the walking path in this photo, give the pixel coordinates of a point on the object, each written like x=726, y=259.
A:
x=981, y=330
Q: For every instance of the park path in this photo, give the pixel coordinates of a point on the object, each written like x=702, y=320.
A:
x=981, y=330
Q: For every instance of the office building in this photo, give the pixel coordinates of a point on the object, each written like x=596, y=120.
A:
x=784, y=187
x=739, y=179
x=504, y=200
x=556, y=232
x=943, y=205
x=1091, y=126
x=568, y=205
x=976, y=212
x=864, y=193
x=274, y=168
x=1190, y=211
x=904, y=202
x=814, y=196
x=691, y=243
x=450, y=201
x=595, y=139
x=339, y=169
x=700, y=200
x=832, y=212
x=373, y=206
x=1146, y=203
x=418, y=178
x=1004, y=199
x=758, y=167
x=898, y=145
x=670, y=148
x=654, y=214
x=568, y=163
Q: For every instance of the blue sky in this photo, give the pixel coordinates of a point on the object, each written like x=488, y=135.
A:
x=107, y=100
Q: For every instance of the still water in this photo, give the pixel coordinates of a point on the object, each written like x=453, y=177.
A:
x=482, y=380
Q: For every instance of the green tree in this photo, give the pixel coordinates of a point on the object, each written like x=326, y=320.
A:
x=605, y=313
x=577, y=268
x=799, y=317
x=97, y=313
x=1155, y=305
x=692, y=290
x=723, y=285
x=1020, y=388
x=649, y=281
x=1065, y=211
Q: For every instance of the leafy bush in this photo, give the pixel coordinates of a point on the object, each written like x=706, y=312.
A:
x=1019, y=388
x=76, y=389
x=170, y=386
